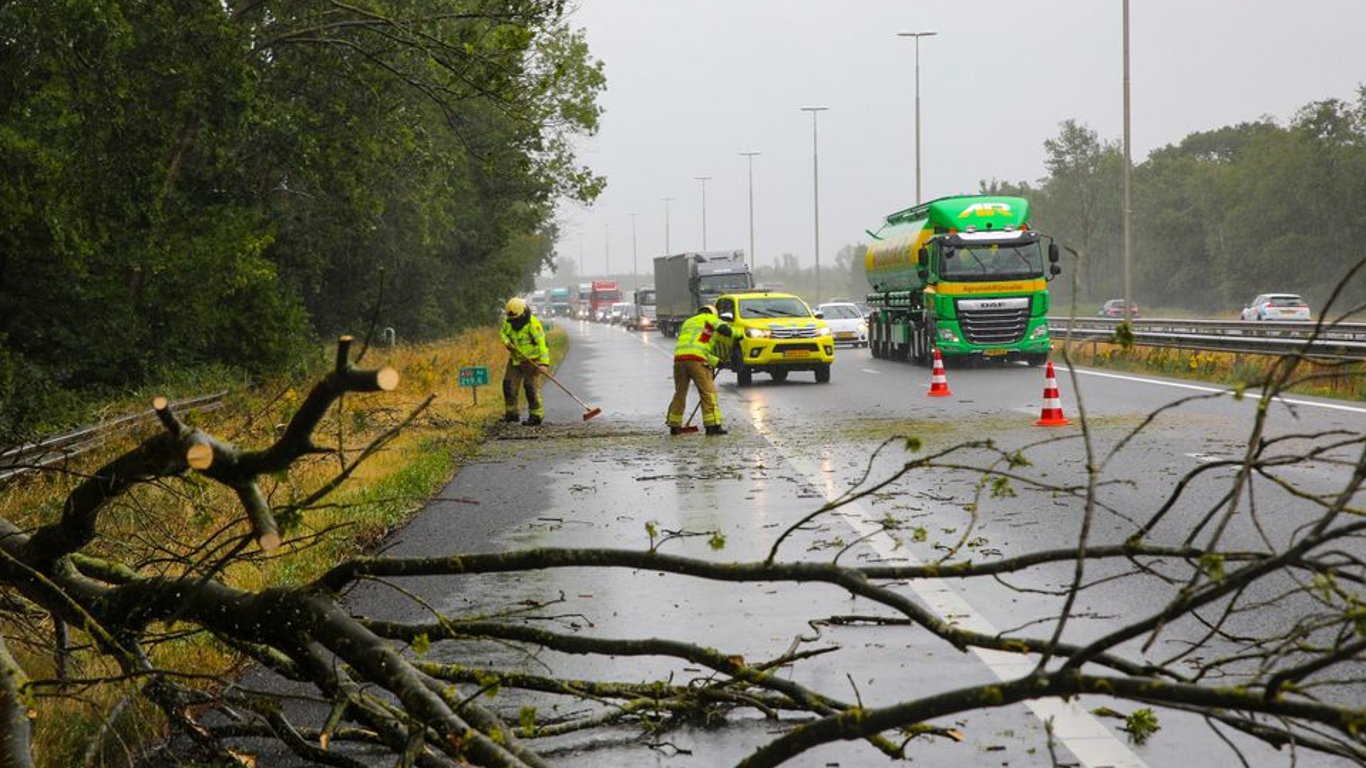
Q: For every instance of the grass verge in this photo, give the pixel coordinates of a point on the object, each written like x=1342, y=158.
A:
x=179, y=526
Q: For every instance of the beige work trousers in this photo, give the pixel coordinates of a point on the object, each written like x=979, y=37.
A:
x=697, y=373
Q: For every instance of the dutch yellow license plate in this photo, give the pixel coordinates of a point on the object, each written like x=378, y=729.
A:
x=996, y=352
x=796, y=353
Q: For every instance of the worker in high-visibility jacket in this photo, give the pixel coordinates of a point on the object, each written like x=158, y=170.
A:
x=700, y=337
x=528, y=356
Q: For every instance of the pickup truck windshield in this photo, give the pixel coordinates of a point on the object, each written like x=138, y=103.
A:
x=993, y=262
x=773, y=307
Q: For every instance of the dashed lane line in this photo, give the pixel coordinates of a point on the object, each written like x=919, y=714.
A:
x=1077, y=729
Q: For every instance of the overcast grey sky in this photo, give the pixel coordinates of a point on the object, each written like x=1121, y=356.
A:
x=693, y=83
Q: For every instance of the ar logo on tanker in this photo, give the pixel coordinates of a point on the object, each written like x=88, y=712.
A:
x=985, y=209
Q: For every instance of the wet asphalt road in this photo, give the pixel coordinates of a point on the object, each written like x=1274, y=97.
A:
x=599, y=483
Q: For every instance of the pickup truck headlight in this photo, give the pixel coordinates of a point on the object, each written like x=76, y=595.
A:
x=823, y=331
x=757, y=333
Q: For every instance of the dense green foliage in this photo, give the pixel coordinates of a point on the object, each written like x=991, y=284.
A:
x=1217, y=218
x=189, y=184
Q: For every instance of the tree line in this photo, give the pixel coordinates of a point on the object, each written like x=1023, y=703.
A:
x=192, y=184
x=1218, y=217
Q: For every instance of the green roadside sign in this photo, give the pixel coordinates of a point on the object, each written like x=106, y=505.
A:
x=474, y=376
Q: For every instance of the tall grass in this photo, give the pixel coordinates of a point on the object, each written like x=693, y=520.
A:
x=180, y=526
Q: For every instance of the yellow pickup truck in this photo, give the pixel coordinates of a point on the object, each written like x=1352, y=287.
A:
x=777, y=333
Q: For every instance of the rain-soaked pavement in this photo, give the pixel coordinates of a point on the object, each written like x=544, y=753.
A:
x=604, y=482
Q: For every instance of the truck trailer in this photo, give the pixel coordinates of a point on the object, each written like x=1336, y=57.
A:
x=685, y=282
x=964, y=274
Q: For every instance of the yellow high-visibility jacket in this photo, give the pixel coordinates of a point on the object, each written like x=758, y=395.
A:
x=528, y=342
x=700, y=337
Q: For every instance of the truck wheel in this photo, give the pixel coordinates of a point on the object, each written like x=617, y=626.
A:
x=823, y=374
x=1036, y=360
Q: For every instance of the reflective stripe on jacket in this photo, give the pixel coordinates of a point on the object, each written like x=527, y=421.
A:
x=529, y=341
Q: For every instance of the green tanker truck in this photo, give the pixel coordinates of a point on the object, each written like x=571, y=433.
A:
x=964, y=274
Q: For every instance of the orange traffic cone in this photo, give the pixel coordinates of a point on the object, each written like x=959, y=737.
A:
x=939, y=384
x=1051, y=415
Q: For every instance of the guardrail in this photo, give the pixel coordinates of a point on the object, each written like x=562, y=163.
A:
x=1339, y=341
x=53, y=450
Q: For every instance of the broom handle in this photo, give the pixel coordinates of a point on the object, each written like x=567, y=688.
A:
x=566, y=389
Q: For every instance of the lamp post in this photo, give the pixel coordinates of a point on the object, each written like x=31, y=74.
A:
x=1128, y=166
x=667, y=249
x=606, y=250
x=704, y=180
x=749, y=156
x=816, y=194
x=635, y=275
x=917, y=36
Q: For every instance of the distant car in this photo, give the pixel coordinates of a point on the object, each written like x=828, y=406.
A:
x=1115, y=308
x=616, y=315
x=1277, y=306
x=639, y=318
x=846, y=322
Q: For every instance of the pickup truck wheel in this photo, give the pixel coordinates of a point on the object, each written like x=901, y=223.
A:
x=779, y=375
x=823, y=374
x=744, y=376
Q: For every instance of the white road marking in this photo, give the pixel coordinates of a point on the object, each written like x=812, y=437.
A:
x=869, y=370
x=1077, y=729
x=1219, y=390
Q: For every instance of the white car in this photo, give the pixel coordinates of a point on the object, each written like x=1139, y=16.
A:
x=847, y=323
x=1277, y=306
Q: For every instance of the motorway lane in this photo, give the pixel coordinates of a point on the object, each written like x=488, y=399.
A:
x=597, y=483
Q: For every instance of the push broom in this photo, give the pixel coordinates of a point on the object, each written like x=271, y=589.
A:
x=588, y=411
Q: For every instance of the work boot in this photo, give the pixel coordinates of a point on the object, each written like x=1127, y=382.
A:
x=717, y=429
x=532, y=421
x=511, y=418
x=675, y=430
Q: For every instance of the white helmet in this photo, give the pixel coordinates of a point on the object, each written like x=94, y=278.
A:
x=515, y=306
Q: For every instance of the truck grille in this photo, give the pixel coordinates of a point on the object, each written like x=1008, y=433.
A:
x=788, y=332
x=992, y=322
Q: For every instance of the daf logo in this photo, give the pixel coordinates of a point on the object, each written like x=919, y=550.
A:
x=992, y=304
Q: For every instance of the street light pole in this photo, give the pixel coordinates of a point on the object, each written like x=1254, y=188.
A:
x=917, y=36
x=1128, y=174
x=704, y=180
x=816, y=194
x=667, y=249
x=749, y=156
x=635, y=274
x=606, y=250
